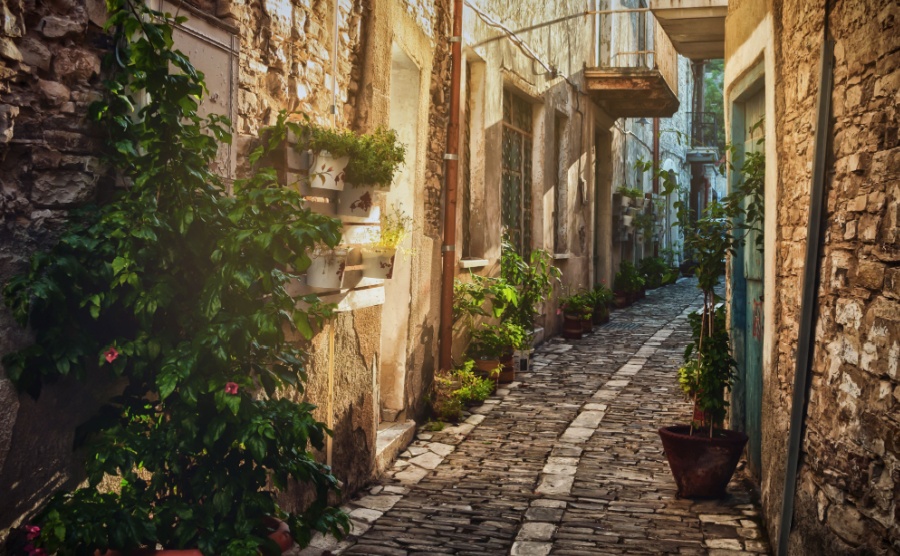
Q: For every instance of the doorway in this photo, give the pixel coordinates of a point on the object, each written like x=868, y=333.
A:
x=404, y=119
x=748, y=318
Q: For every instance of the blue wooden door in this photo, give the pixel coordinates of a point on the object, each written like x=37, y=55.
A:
x=754, y=112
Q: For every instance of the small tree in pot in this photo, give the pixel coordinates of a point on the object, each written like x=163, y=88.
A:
x=703, y=455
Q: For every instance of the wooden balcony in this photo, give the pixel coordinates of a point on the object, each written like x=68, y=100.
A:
x=635, y=83
x=631, y=92
x=695, y=27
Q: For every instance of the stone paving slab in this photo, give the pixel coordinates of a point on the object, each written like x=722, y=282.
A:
x=564, y=461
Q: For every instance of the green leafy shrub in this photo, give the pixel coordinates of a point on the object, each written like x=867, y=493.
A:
x=653, y=269
x=600, y=296
x=482, y=296
x=628, y=279
x=709, y=369
x=533, y=278
x=375, y=158
x=178, y=288
x=453, y=391
x=493, y=341
x=578, y=304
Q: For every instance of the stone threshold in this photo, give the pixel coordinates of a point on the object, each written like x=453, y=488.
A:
x=390, y=440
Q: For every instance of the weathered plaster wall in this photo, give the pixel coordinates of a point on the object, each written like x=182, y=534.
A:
x=499, y=64
x=849, y=486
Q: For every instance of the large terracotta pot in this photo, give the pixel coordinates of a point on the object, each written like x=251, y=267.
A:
x=702, y=466
x=601, y=314
x=572, y=327
x=621, y=300
x=587, y=324
x=507, y=369
x=485, y=367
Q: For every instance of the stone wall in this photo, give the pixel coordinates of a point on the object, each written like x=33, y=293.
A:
x=848, y=498
x=50, y=58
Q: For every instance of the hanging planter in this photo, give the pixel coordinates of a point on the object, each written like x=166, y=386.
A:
x=378, y=262
x=627, y=221
x=359, y=204
x=327, y=171
x=327, y=268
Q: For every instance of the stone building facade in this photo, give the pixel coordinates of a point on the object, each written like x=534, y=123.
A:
x=259, y=58
x=849, y=476
x=353, y=64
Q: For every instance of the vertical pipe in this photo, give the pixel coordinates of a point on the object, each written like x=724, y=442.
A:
x=334, y=54
x=448, y=249
x=808, y=300
x=329, y=417
x=655, y=174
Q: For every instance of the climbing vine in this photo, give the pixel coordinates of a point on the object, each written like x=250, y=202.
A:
x=178, y=287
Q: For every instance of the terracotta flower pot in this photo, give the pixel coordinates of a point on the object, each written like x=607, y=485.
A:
x=281, y=534
x=587, y=324
x=485, y=368
x=702, y=466
x=572, y=326
x=507, y=369
x=621, y=300
x=601, y=314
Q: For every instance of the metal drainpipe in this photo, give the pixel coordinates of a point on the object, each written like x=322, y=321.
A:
x=810, y=286
x=451, y=158
x=655, y=173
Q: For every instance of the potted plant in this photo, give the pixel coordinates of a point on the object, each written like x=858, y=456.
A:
x=627, y=285
x=327, y=267
x=628, y=196
x=576, y=308
x=189, y=313
x=332, y=149
x=703, y=455
x=373, y=163
x=379, y=256
x=492, y=348
x=601, y=297
x=533, y=276
x=653, y=270
x=453, y=390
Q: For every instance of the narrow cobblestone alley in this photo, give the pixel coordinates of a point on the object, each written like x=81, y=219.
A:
x=565, y=461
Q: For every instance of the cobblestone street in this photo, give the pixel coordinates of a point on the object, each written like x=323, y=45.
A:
x=564, y=461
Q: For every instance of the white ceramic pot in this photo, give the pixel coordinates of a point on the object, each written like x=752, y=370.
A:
x=626, y=201
x=626, y=220
x=327, y=269
x=359, y=204
x=378, y=263
x=639, y=203
x=327, y=172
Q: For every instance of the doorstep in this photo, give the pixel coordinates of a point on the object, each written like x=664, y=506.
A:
x=391, y=439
